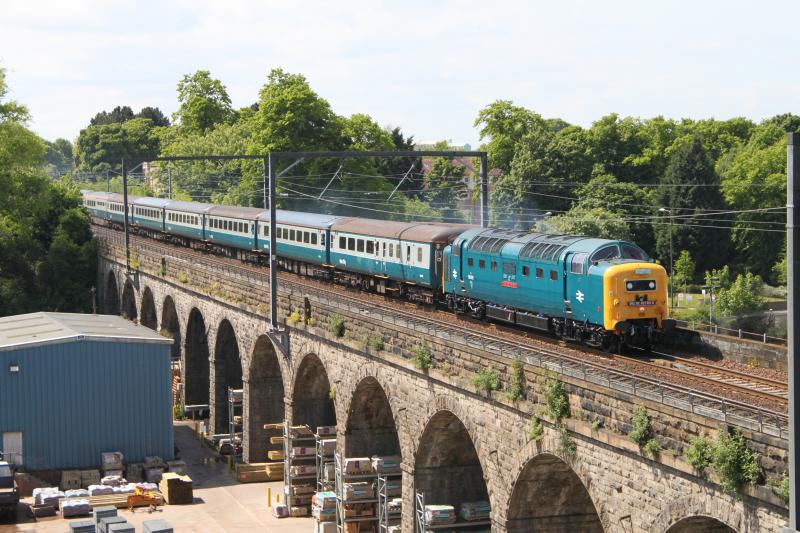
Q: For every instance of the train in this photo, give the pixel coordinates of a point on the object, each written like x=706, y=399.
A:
x=607, y=294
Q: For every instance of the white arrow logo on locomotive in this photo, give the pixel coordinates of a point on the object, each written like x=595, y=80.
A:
x=455, y=274
x=579, y=296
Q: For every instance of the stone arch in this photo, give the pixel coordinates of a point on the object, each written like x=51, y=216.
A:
x=371, y=427
x=311, y=399
x=227, y=373
x=149, y=316
x=265, y=398
x=700, y=524
x=549, y=496
x=447, y=468
x=128, y=307
x=196, y=365
x=710, y=510
x=171, y=326
x=111, y=296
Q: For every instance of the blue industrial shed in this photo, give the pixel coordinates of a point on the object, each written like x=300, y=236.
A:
x=73, y=386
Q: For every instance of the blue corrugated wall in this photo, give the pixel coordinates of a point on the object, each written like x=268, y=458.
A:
x=76, y=399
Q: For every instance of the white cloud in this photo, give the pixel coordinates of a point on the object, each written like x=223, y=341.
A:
x=425, y=66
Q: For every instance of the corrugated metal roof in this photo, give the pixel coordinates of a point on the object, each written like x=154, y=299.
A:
x=45, y=328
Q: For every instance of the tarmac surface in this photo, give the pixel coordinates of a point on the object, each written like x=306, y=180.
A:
x=221, y=504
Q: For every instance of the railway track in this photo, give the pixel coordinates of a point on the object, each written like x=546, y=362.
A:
x=682, y=383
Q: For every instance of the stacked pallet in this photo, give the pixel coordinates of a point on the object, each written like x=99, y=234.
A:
x=274, y=471
x=177, y=489
x=252, y=472
x=119, y=501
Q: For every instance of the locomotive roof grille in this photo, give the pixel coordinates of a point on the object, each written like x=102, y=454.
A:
x=542, y=250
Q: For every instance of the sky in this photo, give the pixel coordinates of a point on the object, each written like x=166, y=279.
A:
x=426, y=66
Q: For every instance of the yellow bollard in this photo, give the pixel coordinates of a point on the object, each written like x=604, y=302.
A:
x=269, y=496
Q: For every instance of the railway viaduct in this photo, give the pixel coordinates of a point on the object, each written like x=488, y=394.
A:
x=456, y=442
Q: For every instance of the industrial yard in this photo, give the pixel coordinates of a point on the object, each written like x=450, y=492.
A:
x=221, y=504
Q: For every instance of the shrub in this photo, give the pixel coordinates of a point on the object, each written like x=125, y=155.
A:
x=566, y=444
x=781, y=489
x=163, y=269
x=422, y=357
x=446, y=369
x=332, y=393
x=294, y=318
x=487, y=380
x=651, y=447
x=177, y=412
x=640, y=433
x=262, y=308
x=336, y=324
x=733, y=461
x=556, y=400
x=134, y=258
x=537, y=429
x=516, y=389
x=375, y=342
x=310, y=321
x=183, y=277
x=597, y=423
x=699, y=453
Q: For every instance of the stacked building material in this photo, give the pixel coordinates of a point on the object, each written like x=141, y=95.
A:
x=358, y=491
x=301, y=432
x=326, y=431
x=303, y=470
x=298, y=511
x=135, y=472
x=89, y=477
x=121, y=527
x=251, y=473
x=103, y=512
x=303, y=451
x=177, y=466
x=356, y=466
x=394, y=487
x=47, y=496
x=359, y=510
x=84, y=526
x=100, y=490
x=386, y=465
x=103, y=523
x=323, y=506
x=279, y=510
x=301, y=490
x=470, y=511
x=275, y=455
x=156, y=526
x=113, y=481
x=75, y=507
x=76, y=493
x=70, y=479
x=395, y=505
x=327, y=446
x=440, y=514
x=111, y=461
x=274, y=471
x=325, y=527
x=177, y=489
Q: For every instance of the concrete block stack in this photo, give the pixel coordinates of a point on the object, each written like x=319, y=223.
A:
x=84, y=526
x=156, y=526
x=106, y=521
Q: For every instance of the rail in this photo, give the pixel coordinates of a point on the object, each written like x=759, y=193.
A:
x=730, y=332
x=723, y=410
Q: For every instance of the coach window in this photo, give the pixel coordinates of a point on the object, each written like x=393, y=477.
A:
x=554, y=275
x=351, y=243
x=342, y=243
x=384, y=249
x=419, y=255
x=360, y=245
x=391, y=250
x=313, y=238
x=291, y=234
x=526, y=270
x=469, y=261
x=307, y=237
x=481, y=263
x=370, y=247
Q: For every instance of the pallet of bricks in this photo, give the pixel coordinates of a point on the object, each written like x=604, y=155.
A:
x=472, y=515
x=300, y=474
x=323, y=503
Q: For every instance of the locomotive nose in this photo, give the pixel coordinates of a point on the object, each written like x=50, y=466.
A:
x=635, y=293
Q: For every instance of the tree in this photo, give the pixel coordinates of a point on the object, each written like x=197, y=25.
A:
x=204, y=102
x=445, y=187
x=690, y=192
x=615, y=144
x=684, y=270
x=59, y=154
x=101, y=148
x=742, y=297
x=47, y=256
x=591, y=222
x=502, y=125
x=118, y=115
x=397, y=167
x=155, y=115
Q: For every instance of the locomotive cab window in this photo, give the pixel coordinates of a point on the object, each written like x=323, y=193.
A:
x=639, y=285
x=632, y=252
x=607, y=253
x=576, y=264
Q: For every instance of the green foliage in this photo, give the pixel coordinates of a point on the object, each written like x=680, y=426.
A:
x=651, y=447
x=594, y=222
x=516, y=386
x=556, y=399
x=183, y=277
x=59, y=154
x=332, y=393
x=445, y=186
x=134, y=259
x=204, y=102
x=487, y=380
x=684, y=269
x=536, y=431
x=721, y=277
x=780, y=271
x=700, y=452
x=566, y=444
x=781, y=489
x=163, y=269
x=422, y=356
x=743, y=296
x=640, y=432
x=336, y=324
x=375, y=342
x=48, y=257
x=503, y=125
x=734, y=462
x=177, y=412
x=102, y=147
x=597, y=423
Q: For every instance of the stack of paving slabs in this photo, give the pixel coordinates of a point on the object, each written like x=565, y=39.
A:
x=323, y=506
x=103, y=523
x=135, y=472
x=358, y=527
x=89, y=477
x=156, y=526
x=470, y=511
x=176, y=488
x=358, y=491
x=70, y=479
x=84, y=526
x=395, y=505
x=436, y=515
x=389, y=464
x=357, y=466
x=298, y=511
x=103, y=512
x=394, y=487
x=359, y=510
x=100, y=490
x=302, y=490
x=121, y=527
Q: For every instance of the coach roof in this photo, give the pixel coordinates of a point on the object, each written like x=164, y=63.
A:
x=411, y=231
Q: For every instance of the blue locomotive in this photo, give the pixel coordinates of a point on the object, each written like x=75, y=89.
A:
x=600, y=292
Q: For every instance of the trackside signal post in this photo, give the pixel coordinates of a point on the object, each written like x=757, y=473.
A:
x=793, y=262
